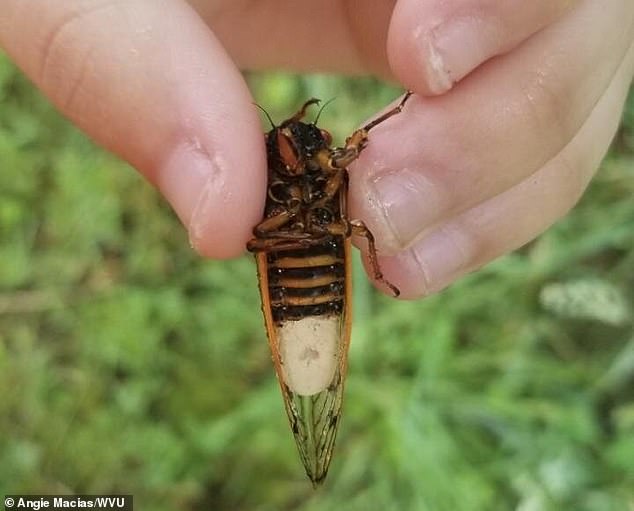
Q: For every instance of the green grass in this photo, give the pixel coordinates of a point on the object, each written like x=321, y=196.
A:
x=130, y=365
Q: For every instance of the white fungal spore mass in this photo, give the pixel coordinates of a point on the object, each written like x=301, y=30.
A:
x=309, y=352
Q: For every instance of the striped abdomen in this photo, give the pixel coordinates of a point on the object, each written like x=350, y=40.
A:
x=306, y=306
x=307, y=282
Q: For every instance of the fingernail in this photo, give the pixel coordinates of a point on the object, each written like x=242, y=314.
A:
x=184, y=180
x=407, y=202
x=441, y=257
x=439, y=77
x=463, y=44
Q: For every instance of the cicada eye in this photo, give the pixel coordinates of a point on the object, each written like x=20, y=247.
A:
x=287, y=150
x=327, y=136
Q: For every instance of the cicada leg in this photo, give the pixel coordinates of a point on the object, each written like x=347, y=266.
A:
x=285, y=241
x=268, y=235
x=356, y=142
x=360, y=229
x=396, y=110
x=302, y=111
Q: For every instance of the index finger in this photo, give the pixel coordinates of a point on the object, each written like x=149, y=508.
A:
x=150, y=82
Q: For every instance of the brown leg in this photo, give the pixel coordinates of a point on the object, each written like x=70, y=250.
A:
x=356, y=142
x=302, y=111
x=333, y=185
x=269, y=227
x=271, y=224
x=359, y=229
x=341, y=228
x=283, y=243
x=268, y=236
x=344, y=156
x=264, y=245
x=396, y=110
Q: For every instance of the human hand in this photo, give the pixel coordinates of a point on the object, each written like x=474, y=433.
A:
x=460, y=177
x=465, y=176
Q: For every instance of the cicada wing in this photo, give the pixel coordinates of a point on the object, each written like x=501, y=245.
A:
x=314, y=421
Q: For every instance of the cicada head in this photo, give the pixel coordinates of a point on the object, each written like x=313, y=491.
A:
x=292, y=147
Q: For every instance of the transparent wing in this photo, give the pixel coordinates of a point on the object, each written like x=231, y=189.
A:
x=314, y=421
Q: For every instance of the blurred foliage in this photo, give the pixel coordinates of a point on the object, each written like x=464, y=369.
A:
x=128, y=364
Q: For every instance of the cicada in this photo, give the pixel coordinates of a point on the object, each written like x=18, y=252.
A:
x=302, y=251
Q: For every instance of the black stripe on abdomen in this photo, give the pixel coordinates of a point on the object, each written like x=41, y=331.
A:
x=307, y=282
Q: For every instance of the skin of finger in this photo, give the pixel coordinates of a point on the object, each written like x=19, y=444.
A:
x=445, y=154
x=433, y=44
x=516, y=216
x=148, y=81
x=343, y=36
x=281, y=33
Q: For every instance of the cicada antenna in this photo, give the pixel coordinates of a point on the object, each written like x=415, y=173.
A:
x=267, y=115
x=322, y=109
